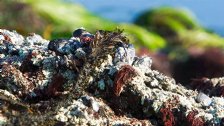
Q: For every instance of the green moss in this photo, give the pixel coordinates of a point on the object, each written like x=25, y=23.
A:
x=179, y=28
x=200, y=38
x=68, y=16
x=141, y=37
x=64, y=17
x=167, y=21
x=55, y=19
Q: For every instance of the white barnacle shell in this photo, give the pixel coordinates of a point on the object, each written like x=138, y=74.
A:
x=61, y=117
x=124, y=54
x=120, y=55
x=16, y=38
x=130, y=54
x=154, y=83
x=203, y=99
x=2, y=37
x=95, y=106
x=218, y=105
x=143, y=63
x=2, y=55
x=35, y=40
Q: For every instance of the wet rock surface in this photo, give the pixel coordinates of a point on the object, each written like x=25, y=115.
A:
x=93, y=79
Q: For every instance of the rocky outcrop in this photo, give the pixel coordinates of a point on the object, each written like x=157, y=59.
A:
x=93, y=80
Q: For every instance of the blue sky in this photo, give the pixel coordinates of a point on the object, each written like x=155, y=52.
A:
x=210, y=13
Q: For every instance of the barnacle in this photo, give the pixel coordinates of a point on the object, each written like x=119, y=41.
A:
x=124, y=53
x=203, y=99
x=124, y=75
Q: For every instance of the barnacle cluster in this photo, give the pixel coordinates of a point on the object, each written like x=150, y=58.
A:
x=95, y=79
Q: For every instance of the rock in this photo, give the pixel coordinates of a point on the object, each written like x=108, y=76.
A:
x=212, y=87
x=55, y=84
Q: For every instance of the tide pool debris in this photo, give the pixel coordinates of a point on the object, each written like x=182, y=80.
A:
x=94, y=79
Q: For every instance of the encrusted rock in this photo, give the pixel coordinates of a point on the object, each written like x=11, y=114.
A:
x=94, y=80
x=212, y=87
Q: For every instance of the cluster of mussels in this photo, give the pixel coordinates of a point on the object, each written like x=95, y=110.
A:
x=93, y=80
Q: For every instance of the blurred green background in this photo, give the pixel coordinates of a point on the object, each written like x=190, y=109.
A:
x=172, y=36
